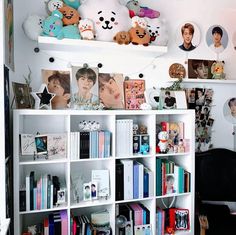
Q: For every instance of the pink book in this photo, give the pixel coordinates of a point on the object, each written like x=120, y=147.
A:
x=101, y=142
x=138, y=213
x=38, y=194
x=64, y=222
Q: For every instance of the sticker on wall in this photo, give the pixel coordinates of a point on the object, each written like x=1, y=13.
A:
x=229, y=110
x=217, y=38
x=177, y=70
x=188, y=36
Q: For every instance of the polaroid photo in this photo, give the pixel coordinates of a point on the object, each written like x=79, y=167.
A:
x=87, y=191
x=61, y=196
x=41, y=142
x=94, y=190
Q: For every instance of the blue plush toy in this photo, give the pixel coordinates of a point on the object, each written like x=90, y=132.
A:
x=72, y=3
x=53, y=27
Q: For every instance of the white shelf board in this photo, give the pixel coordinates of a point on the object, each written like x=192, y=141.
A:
x=83, y=204
x=171, y=154
x=173, y=195
x=30, y=161
x=136, y=156
x=134, y=200
x=57, y=208
x=77, y=45
x=210, y=81
x=91, y=159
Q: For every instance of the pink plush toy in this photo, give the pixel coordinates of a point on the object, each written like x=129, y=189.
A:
x=136, y=10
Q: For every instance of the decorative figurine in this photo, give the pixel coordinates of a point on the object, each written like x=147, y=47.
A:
x=163, y=141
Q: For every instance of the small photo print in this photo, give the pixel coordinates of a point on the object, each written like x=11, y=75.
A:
x=94, y=190
x=58, y=83
x=229, y=110
x=41, y=142
x=200, y=96
x=22, y=95
x=84, y=87
x=170, y=184
x=111, y=92
x=87, y=191
x=190, y=94
x=168, y=100
x=61, y=196
x=200, y=69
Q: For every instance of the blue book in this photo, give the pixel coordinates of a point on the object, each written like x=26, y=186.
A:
x=107, y=141
x=145, y=184
x=136, y=180
x=51, y=224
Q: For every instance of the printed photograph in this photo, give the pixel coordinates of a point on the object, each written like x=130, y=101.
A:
x=190, y=95
x=87, y=191
x=134, y=93
x=58, y=82
x=200, y=69
x=61, y=196
x=188, y=36
x=217, y=38
x=168, y=100
x=229, y=110
x=177, y=70
x=94, y=190
x=21, y=95
x=200, y=96
x=170, y=184
x=41, y=142
x=111, y=92
x=84, y=87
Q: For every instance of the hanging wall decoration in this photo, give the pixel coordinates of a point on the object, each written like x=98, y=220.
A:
x=177, y=70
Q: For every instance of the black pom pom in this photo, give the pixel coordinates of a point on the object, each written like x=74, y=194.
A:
x=140, y=75
x=36, y=50
x=99, y=65
x=51, y=59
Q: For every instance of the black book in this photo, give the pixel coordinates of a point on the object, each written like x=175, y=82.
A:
x=84, y=145
x=56, y=187
x=147, y=214
x=57, y=223
x=126, y=211
x=119, y=181
x=23, y=200
x=32, y=185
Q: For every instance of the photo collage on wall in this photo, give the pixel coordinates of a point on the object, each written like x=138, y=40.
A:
x=201, y=100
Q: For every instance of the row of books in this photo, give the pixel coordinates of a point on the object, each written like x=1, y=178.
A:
x=135, y=214
x=133, y=180
x=171, y=178
x=39, y=194
x=171, y=219
x=93, y=144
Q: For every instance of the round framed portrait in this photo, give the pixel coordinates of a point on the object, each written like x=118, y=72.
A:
x=217, y=38
x=177, y=70
x=229, y=110
x=188, y=36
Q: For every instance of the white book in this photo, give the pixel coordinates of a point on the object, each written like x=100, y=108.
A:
x=27, y=188
x=140, y=180
x=51, y=198
x=103, y=182
x=77, y=145
x=150, y=182
x=128, y=178
x=176, y=176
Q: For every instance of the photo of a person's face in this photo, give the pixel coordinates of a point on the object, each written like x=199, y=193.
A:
x=217, y=38
x=188, y=36
x=110, y=91
x=85, y=84
x=201, y=70
x=229, y=110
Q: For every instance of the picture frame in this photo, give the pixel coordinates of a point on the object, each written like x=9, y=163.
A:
x=61, y=196
x=87, y=191
x=173, y=99
x=41, y=142
x=94, y=193
x=21, y=95
x=199, y=69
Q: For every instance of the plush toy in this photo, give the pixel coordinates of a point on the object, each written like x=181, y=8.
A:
x=122, y=38
x=70, y=15
x=142, y=129
x=53, y=5
x=32, y=26
x=136, y=10
x=139, y=35
x=138, y=21
x=53, y=27
x=217, y=69
x=86, y=29
x=109, y=17
x=72, y=3
x=163, y=137
x=158, y=31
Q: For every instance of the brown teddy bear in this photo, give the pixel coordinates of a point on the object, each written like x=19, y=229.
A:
x=139, y=35
x=70, y=15
x=122, y=38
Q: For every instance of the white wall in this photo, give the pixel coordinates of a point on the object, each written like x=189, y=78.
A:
x=204, y=13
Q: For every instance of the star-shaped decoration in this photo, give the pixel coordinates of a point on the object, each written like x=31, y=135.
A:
x=43, y=98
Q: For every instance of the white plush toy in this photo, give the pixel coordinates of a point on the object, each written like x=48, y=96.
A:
x=138, y=21
x=109, y=17
x=54, y=5
x=86, y=29
x=158, y=31
x=163, y=137
x=33, y=27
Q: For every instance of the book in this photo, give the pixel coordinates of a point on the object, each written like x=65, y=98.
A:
x=27, y=143
x=22, y=200
x=134, y=93
x=119, y=181
x=103, y=182
x=57, y=145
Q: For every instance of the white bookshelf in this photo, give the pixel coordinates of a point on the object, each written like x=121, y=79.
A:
x=66, y=121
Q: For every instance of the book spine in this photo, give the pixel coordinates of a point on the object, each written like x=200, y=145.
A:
x=136, y=181
x=119, y=181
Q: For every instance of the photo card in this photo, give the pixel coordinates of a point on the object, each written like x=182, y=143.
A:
x=41, y=143
x=27, y=143
x=94, y=190
x=58, y=83
x=22, y=95
x=167, y=99
x=87, y=191
x=61, y=196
